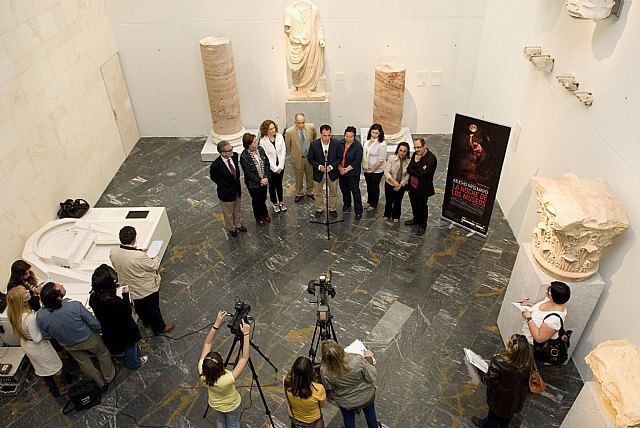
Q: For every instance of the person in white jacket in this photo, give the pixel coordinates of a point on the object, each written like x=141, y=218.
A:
x=273, y=145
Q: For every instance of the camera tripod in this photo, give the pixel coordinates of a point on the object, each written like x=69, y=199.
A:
x=254, y=375
x=324, y=329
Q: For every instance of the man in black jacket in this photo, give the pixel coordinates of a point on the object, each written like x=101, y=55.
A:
x=421, y=169
x=321, y=150
x=225, y=172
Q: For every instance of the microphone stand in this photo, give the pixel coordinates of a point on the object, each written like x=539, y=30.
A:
x=327, y=222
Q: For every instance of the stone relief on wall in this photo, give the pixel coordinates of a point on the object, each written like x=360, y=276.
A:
x=304, y=39
x=589, y=9
x=616, y=366
x=578, y=219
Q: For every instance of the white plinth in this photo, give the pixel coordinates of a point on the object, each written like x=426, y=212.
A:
x=391, y=145
x=316, y=112
x=528, y=280
x=209, y=151
x=589, y=410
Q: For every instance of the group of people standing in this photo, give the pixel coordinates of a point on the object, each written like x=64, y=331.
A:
x=347, y=378
x=319, y=161
x=49, y=325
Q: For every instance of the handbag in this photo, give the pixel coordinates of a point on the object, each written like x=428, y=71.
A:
x=556, y=351
x=296, y=423
x=73, y=208
x=536, y=384
x=82, y=396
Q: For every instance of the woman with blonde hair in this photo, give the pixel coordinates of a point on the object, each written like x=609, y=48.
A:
x=351, y=377
x=43, y=357
x=507, y=383
x=305, y=397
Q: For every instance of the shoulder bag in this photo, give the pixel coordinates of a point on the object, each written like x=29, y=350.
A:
x=536, y=384
x=556, y=351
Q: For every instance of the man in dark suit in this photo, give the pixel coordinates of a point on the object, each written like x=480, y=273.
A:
x=350, y=168
x=225, y=172
x=325, y=148
x=421, y=169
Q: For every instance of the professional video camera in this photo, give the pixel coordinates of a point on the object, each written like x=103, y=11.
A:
x=242, y=314
x=324, y=282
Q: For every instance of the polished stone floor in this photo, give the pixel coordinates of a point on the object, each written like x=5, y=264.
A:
x=416, y=301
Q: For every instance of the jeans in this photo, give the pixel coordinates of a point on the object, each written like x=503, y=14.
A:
x=132, y=356
x=228, y=420
x=492, y=421
x=349, y=416
x=373, y=180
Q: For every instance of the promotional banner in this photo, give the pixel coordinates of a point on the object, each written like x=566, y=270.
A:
x=475, y=164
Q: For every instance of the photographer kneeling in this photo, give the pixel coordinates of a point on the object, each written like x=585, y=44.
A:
x=222, y=394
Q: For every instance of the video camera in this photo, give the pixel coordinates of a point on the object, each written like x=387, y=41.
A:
x=324, y=282
x=242, y=314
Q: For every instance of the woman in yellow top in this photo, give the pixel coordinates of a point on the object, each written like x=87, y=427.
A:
x=304, y=395
x=223, y=396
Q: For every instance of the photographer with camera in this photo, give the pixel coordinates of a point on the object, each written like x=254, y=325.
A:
x=222, y=394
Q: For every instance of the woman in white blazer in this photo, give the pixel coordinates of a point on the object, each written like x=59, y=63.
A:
x=373, y=162
x=273, y=145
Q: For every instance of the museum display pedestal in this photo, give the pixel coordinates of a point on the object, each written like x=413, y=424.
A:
x=391, y=146
x=589, y=410
x=209, y=151
x=528, y=280
x=316, y=112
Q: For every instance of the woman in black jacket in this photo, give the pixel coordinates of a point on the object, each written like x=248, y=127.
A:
x=507, y=383
x=119, y=331
x=255, y=164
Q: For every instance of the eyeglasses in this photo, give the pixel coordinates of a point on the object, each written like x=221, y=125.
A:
x=417, y=147
x=227, y=151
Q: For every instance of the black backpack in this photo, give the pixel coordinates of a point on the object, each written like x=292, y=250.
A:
x=82, y=396
x=73, y=209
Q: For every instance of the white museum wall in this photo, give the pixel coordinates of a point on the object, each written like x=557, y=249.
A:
x=559, y=134
x=159, y=51
x=58, y=136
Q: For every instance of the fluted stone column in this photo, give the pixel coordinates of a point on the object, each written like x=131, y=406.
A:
x=220, y=77
x=388, y=99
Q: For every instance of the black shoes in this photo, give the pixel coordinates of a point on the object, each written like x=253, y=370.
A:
x=420, y=231
x=410, y=222
x=317, y=214
x=311, y=197
x=333, y=214
x=358, y=216
x=241, y=229
x=346, y=207
x=234, y=233
x=298, y=198
x=476, y=421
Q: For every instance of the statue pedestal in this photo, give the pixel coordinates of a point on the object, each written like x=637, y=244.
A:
x=589, y=410
x=405, y=135
x=316, y=112
x=529, y=281
x=209, y=151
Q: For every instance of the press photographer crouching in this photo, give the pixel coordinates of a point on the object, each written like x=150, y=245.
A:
x=222, y=394
x=119, y=331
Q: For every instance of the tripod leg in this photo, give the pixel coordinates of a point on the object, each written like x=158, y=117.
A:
x=233, y=345
x=315, y=340
x=264, y=401
x=257, y=348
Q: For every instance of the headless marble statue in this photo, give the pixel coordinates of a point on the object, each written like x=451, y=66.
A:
x=304, y=38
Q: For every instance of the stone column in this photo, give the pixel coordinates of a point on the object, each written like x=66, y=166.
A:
x=220, y=77
x=388, y=99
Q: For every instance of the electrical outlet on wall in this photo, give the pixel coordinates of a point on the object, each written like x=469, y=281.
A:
x=338, y=76
x=422, y=78
x=436, y=78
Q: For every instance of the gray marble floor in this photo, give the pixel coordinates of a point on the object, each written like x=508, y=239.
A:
x=416, y=301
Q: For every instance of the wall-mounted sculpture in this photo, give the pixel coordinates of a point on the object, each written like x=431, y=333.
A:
x=388, y=99
x=304, y=40
x=578, y=219
x=222, y=88
x=616, y=366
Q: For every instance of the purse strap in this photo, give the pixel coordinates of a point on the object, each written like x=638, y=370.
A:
x=561, y=331
x=286, y=394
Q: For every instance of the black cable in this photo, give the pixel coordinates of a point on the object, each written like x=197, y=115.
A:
x=135, y=420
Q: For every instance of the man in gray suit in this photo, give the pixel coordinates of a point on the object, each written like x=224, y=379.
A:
x=298, y=139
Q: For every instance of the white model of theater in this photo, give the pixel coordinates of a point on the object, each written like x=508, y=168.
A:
x=68, y=250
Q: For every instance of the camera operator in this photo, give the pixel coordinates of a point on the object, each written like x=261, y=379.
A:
x=222, y=394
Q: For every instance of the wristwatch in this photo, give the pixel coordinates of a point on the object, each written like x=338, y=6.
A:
x=528, y=319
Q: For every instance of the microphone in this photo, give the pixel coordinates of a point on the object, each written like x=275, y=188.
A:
x=326, y=153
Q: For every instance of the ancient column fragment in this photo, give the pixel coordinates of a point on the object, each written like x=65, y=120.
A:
x=578, y=219
x=220, y=77
x=388, y=99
